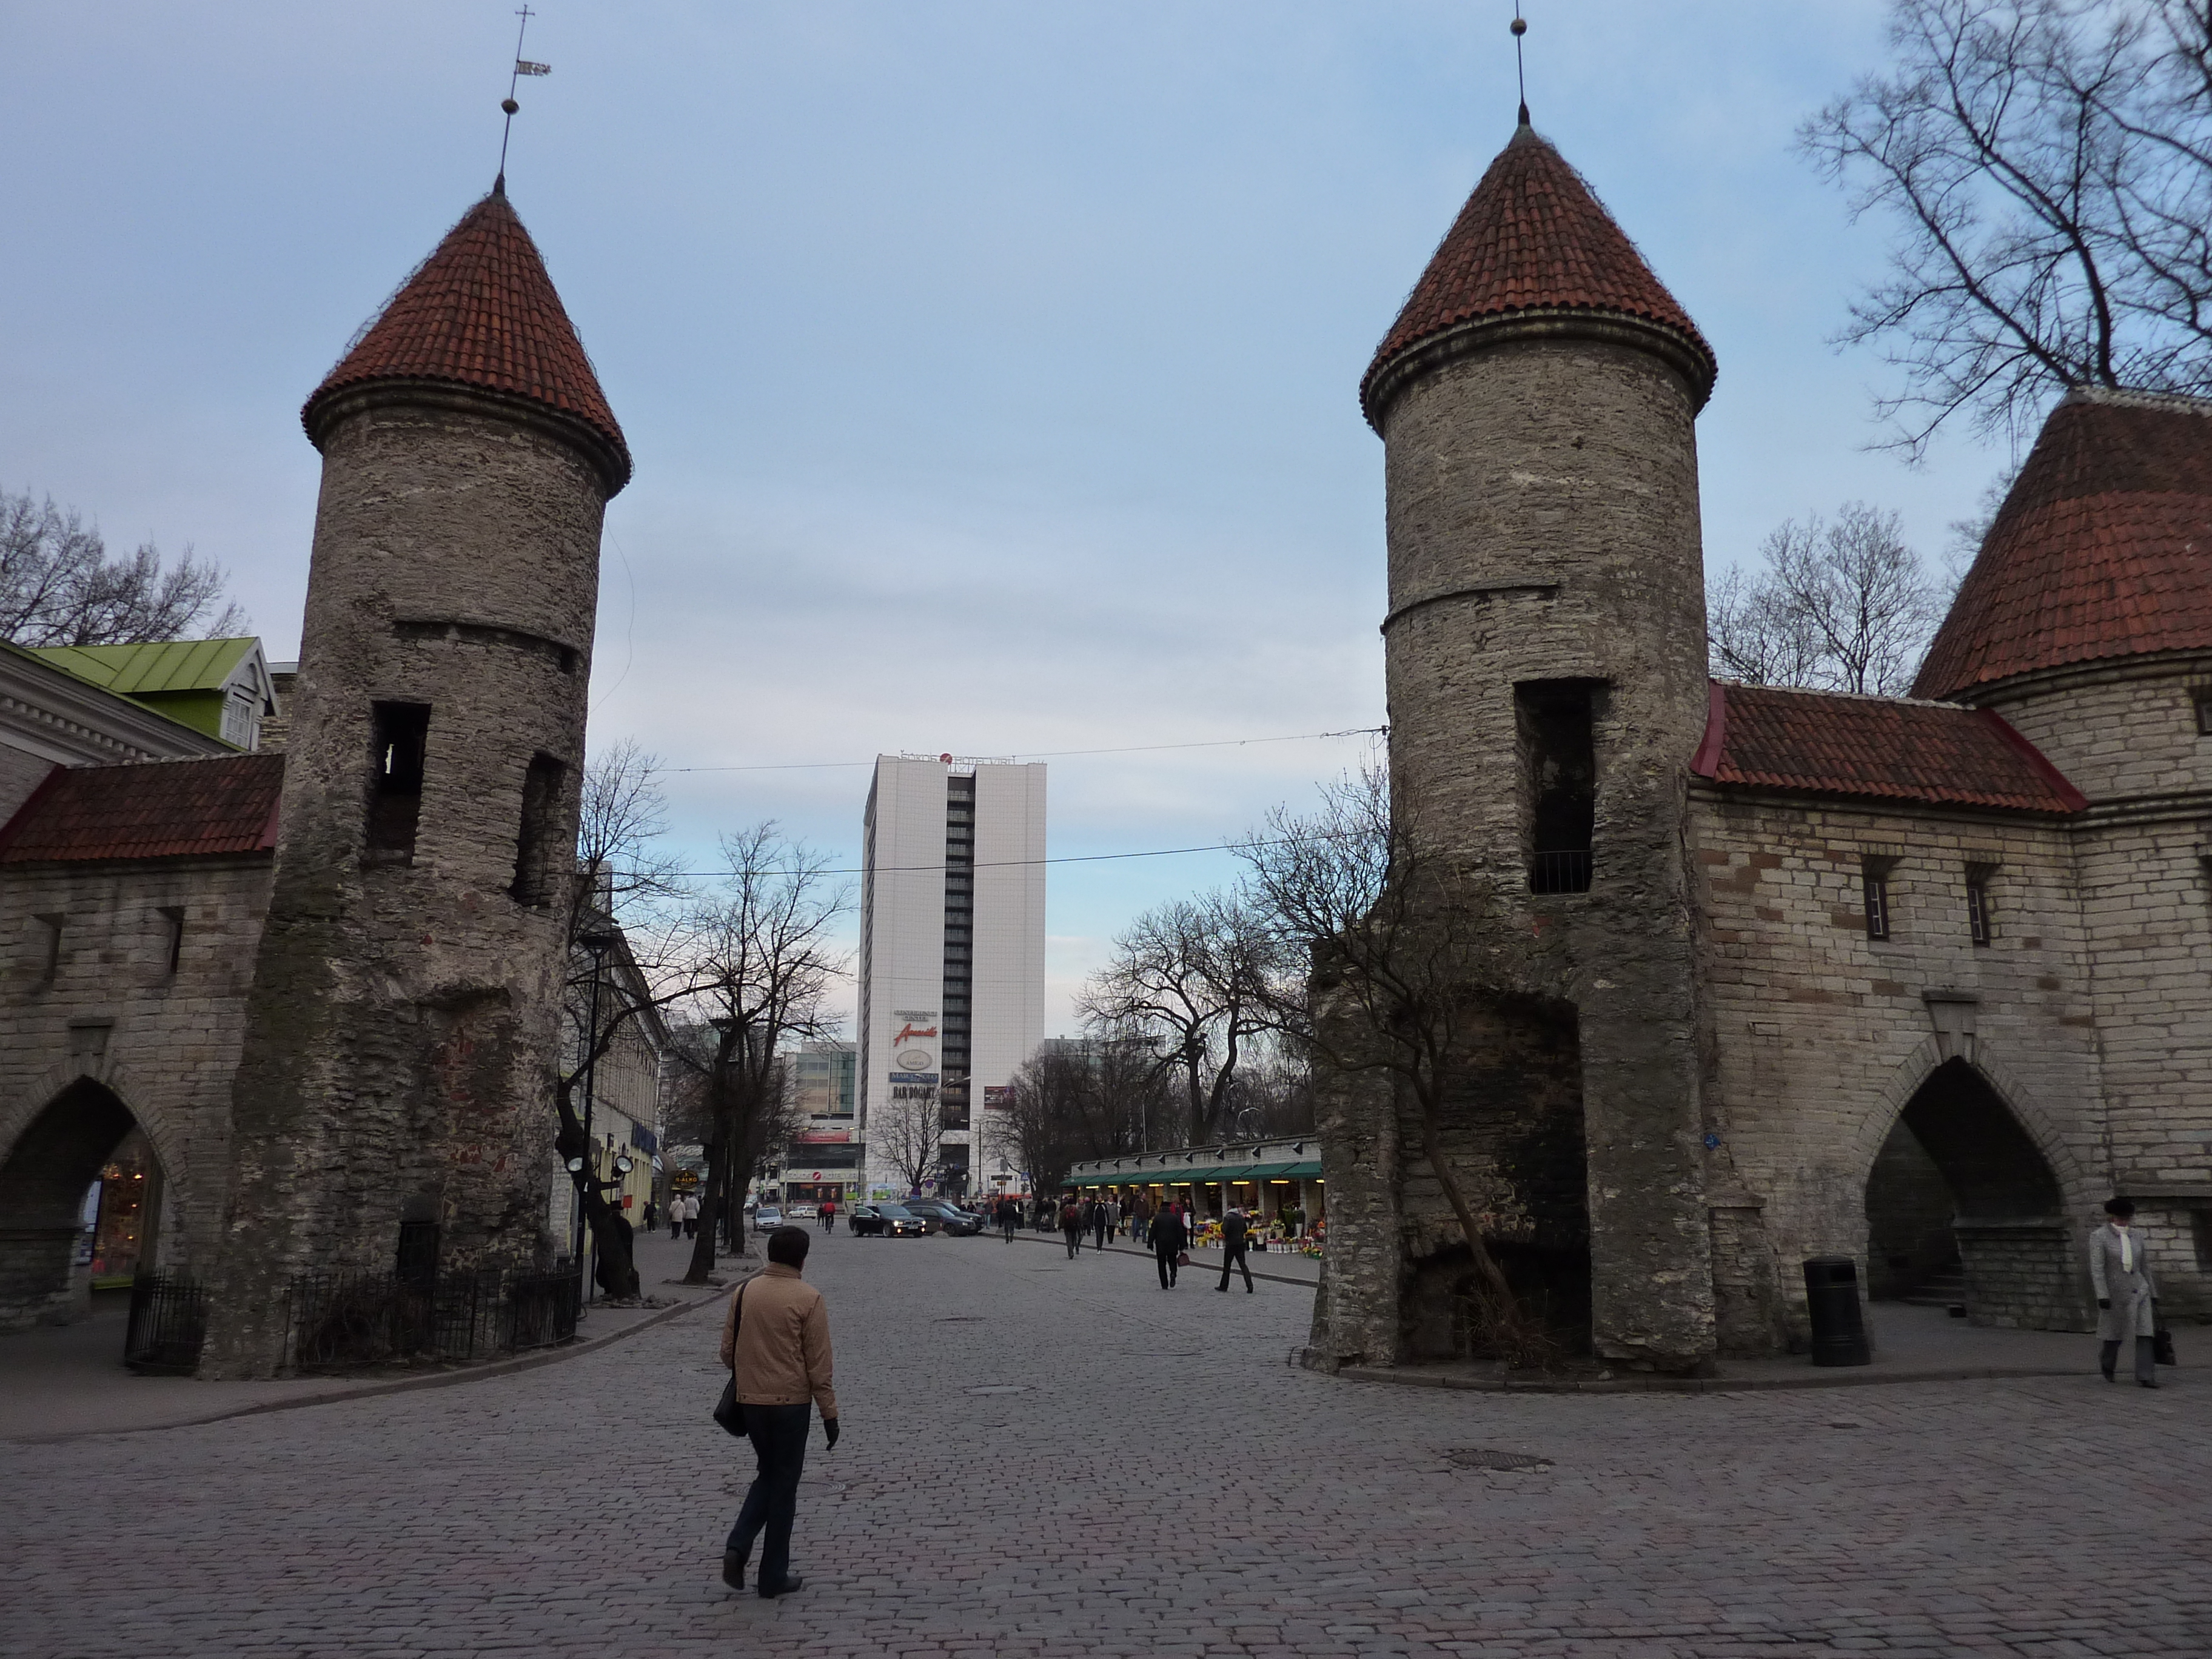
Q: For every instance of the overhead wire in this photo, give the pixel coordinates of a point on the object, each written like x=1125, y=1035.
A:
x=1052, y=754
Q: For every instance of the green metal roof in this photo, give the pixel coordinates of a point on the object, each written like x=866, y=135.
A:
x=137, y=671
x=1309, y=1167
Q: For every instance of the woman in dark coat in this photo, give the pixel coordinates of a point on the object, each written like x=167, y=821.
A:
x=2127, y=1296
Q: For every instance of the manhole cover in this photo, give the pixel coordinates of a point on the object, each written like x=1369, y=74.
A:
x=1002, y=1387
x=1481, y=1457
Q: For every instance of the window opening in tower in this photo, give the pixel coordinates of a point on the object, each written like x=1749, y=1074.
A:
x=401, y=735
x=1560, y=781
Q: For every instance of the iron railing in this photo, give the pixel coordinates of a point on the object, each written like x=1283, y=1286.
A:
x=168, y=1322
x=1560, y=872
x=343, y=1321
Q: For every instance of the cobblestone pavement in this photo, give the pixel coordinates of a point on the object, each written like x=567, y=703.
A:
x=1163, y=1485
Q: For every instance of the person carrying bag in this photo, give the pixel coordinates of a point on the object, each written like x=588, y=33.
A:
x=775, y=1343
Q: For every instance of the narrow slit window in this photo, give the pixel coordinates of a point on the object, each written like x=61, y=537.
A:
x=1874, y=887
x=402, y=736
x=533, y=840
x=1979, y=918
x=2202, y=697
x=1560, y=778
x=172, y=921
x=46, y=943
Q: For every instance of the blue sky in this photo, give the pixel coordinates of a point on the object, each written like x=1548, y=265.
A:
x=990, y=367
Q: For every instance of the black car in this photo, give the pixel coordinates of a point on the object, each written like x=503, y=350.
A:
x=886, y=1220
x=946, y=1216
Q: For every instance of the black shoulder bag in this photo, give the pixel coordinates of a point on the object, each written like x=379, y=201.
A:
x=728, y=1411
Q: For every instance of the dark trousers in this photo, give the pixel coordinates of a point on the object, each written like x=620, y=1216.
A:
x=2108, y=1359
x=1233, y=1259
x=779, y=1438
x=1167, y=1260
x=675, y=1227
x=1007, y=1227
x=1098, y=1237
x=1074, y=1238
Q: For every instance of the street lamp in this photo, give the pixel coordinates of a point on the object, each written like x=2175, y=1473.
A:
x=597, y=939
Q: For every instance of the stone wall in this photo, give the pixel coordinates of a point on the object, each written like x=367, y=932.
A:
x=403, y=1031
x=160, y=1046
x=1544, y=542
x=1822, y=1037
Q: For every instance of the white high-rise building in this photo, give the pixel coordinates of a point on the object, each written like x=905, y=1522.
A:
x=951, y=963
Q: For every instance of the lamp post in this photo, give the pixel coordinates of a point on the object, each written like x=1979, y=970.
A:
x=598, y=940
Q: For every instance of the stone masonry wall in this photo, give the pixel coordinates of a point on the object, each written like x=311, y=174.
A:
x=1543, y=527
x=1821, y=1036
x=401, y=1044
x=163, y=1044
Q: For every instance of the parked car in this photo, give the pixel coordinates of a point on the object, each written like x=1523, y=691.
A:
x=887, y=1221
x=803, y=1210
x=946, y=1216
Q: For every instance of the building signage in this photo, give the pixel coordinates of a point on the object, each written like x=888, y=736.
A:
x=997, y=1097
x=914, y=1045
x=823, y=1137
x=913, y=1076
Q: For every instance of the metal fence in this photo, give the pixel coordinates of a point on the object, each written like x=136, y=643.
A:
x=1560, y=872
x=344, y=1321
x=168, y=1321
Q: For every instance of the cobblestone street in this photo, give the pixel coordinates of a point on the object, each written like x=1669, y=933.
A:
x=1166, y=1485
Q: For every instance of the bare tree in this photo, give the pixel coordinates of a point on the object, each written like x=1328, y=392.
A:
x=1395, y=935
x=1091, y=1098
x=2047, y=166
x=905, y=1132
x=621, y=877
x=756, y=965
x=58, y=585
x=1190, y=973
x=1840, y=606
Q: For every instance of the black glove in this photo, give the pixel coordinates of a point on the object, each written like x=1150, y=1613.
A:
x=2104, y=1302
x=830, y=1428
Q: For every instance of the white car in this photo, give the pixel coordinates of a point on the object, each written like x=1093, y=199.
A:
x=803, y=1211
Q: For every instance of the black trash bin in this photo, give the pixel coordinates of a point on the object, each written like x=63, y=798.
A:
x=1831, y=1295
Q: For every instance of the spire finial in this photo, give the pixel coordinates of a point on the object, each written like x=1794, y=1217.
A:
x=1519, y=74
x=522, y=66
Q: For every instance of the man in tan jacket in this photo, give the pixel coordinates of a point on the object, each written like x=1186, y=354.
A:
x=775, y=1340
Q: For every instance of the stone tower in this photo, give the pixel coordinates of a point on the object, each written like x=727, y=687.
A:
x=1546, y=657
x=400, y=1047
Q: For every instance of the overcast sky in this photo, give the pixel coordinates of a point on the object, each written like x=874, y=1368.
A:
x=990, y=367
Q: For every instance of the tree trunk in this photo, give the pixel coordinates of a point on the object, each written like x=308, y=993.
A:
x=618, y=1269
x=1518, y=1342
x=703, y=1247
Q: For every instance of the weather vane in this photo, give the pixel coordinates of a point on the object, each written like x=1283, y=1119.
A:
x=522, y=66
x=1519, y=74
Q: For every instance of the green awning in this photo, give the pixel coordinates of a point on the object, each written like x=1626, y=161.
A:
x=1305, y=1170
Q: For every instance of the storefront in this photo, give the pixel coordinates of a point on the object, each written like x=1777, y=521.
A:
x=1278, y=1185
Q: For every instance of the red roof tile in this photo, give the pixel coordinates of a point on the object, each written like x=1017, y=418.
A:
x=481, y=312
x=1833, y=743
x=2103, y=549
x=1533, y=237
x=158, y=809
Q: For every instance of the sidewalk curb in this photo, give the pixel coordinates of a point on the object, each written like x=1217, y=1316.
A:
x=1838, y=1377
x=1131, y=1249
x=397, y=1385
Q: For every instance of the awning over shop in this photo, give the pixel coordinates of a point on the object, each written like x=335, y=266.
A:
x=1308, y=1168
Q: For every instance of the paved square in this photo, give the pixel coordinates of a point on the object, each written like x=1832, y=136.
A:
x=1168, y=1486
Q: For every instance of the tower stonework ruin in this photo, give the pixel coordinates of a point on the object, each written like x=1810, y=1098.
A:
x=1546, y=660
x=1759, y=974
x=399, y=1054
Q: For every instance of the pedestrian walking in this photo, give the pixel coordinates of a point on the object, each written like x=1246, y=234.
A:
x=675, y=1216
x=649, y=1215
x=691, y=1216
x=1236, y=1232
x=1098, y=1224
x=1010, y=1218
x=775, y=1341
x=1169, y=1240
x=1071, y=1226
x=2127, y=1296
x=1138, y=1220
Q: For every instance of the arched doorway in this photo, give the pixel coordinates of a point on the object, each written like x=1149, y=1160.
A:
x=1959, y=1190
x=86, y=1137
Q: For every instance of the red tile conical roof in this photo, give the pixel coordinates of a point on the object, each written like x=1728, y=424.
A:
x=2103, y=549
x=1534, y=237
x=481, y=312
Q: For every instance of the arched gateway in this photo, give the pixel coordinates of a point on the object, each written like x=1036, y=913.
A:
x=43, y=1180
x=1960, y=1187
